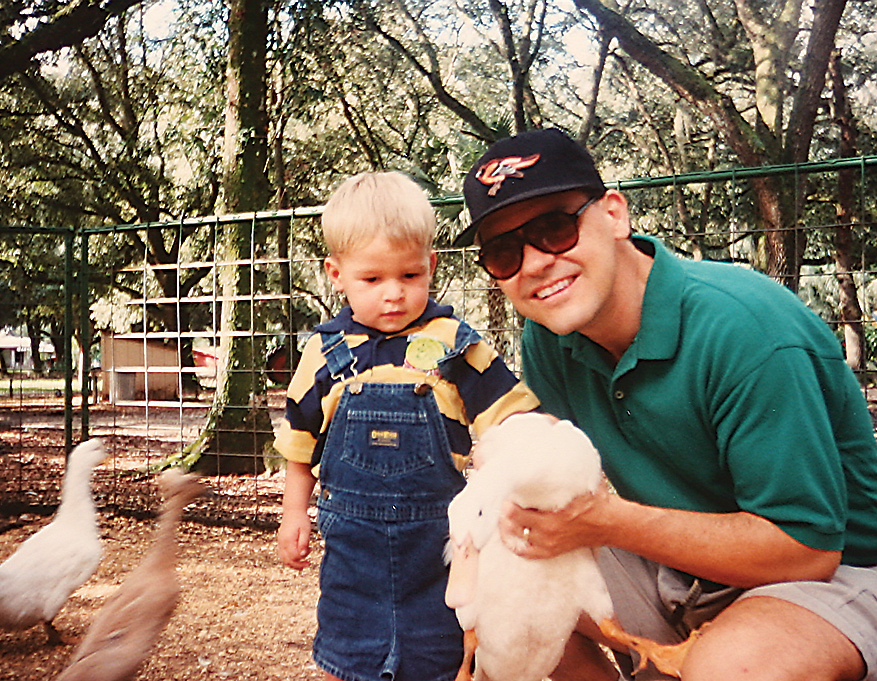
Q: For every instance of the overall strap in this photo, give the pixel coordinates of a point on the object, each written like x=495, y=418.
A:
x=338, y=356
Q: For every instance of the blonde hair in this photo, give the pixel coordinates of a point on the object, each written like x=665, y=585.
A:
x=368, y=204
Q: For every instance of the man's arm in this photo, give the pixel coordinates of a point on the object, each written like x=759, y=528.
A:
x=737, y=549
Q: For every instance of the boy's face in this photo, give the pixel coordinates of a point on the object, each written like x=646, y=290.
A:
x=574, y=290
x=386, y=282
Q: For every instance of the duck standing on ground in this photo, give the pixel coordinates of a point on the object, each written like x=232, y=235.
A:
x=130, y=622
x=521, y=612
x=39, y=577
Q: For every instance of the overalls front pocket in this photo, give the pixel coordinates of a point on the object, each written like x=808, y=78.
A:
x=388, y=443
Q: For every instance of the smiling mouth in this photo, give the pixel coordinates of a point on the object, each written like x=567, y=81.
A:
x=557, y=287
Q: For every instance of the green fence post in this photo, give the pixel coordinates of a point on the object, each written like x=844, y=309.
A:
x=84, y=331
x=68, y=340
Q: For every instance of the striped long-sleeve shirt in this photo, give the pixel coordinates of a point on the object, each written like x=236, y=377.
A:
x=483, y=392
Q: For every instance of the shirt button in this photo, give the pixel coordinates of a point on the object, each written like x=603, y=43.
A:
x=619, y=394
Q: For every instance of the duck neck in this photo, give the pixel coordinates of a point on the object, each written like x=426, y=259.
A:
x=168, y=518
x=76, y=495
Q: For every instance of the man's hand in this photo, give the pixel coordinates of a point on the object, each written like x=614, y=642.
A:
x=545, y=534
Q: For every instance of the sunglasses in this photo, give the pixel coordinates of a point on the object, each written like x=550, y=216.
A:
x=555, y=232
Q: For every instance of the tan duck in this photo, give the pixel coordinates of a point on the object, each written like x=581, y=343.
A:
x=125, y=629
x=37, y=580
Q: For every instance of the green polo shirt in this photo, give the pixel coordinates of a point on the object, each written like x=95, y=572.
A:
x=733, y=396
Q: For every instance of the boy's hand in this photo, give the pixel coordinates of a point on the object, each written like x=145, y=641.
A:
x=293, y=540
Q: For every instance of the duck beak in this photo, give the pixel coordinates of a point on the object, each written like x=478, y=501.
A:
x=463, y=577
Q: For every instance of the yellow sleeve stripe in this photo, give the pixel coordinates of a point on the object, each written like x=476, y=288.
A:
x=519, y=399
x=294, y=445
x=480, y=357
x=311, y=361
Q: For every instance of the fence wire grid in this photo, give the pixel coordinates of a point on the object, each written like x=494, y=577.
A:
x=121, y=332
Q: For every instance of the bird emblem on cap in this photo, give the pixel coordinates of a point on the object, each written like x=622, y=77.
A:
x=494, y=172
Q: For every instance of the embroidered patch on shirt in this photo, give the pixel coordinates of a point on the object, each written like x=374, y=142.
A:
x=384, y=438
x=424, y=352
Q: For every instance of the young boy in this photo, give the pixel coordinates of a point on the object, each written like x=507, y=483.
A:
x=379, y=408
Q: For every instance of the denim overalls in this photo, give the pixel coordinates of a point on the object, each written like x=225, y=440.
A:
x=386, y=478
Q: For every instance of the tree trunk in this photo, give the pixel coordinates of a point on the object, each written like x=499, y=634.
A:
x=850, y=310
x=238, y=433
x=782, y=243
x=288, y=353
x=35, y=335
x=498, y=321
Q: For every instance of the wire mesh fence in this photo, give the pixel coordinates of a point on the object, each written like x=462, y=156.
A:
x=148, y=336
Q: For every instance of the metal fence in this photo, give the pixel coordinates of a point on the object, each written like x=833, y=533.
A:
x=137, y=349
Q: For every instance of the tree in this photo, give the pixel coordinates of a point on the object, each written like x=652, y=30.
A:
x=32, y=266
x=238, y=425
x=87, y=142
x=850, y=309
x=762, y=138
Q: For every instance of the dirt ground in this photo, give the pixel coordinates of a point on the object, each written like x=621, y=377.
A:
x=242, y=614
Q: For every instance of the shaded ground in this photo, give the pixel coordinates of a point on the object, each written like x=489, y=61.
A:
x=32, y=460
x=242, y=614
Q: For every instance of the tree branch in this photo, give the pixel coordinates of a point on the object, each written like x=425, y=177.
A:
x=683, y=80
x=78, y=21
x=433, y=76
x=826, y=19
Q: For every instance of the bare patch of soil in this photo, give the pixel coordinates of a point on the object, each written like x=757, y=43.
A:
x=242, y=614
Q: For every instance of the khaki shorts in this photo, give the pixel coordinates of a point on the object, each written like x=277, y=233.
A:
x=666, y=605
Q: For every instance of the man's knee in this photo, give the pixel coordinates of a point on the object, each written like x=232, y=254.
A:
x=768, y=639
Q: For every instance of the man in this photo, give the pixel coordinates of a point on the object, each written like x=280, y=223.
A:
x=736, y=438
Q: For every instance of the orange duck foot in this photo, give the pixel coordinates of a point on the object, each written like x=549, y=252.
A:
x=470, y=643
x=667, y=659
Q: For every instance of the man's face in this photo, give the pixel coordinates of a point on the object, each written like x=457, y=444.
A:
x=570, y=291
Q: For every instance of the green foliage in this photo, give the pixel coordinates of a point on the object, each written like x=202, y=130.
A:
x=127, y=128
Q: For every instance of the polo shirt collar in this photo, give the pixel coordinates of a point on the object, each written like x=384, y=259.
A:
x=660, y=326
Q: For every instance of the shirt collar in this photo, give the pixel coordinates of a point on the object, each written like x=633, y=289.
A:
x=660, y=323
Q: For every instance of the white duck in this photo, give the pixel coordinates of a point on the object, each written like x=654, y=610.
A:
x=521, y=612
x=130, y=622
x=47, y=567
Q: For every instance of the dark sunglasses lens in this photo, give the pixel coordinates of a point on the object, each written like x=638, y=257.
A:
x=553, y=232
x=502, y=258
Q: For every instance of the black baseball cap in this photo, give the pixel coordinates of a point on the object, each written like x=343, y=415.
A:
x=525, y=166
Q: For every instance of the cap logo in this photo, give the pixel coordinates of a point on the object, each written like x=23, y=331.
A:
x=495, y=171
